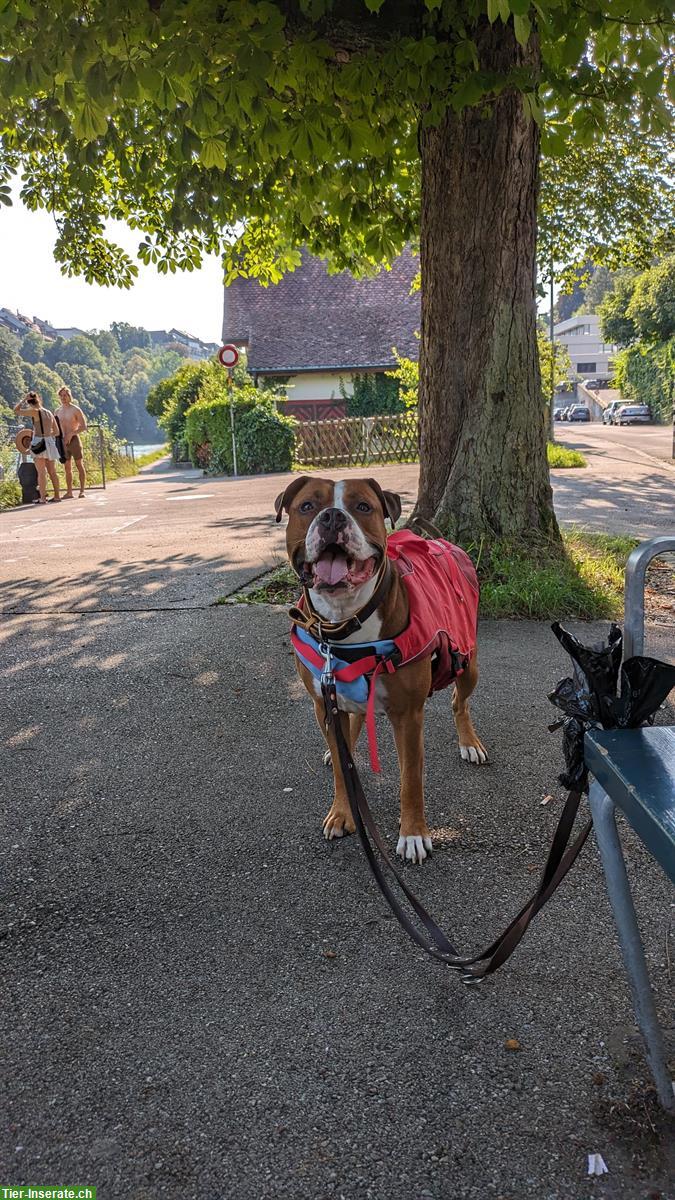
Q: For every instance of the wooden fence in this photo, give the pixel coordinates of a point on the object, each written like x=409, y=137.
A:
x=357, y=441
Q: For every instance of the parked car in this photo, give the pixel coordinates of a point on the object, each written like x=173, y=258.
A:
x=565, y=412
x=558, y=414
x=594, y=384
x=608, y=414
x=632, y=414
x=579, y=412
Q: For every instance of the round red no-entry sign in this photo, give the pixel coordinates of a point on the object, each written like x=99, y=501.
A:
x=228, y=355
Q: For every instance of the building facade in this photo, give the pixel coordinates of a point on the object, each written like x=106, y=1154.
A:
x=313, y=332
x=590, y=357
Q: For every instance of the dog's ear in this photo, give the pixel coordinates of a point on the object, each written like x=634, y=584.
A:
x=284, y=498
x=390, y=501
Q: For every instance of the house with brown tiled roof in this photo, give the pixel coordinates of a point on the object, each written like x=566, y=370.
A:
x=313, y=331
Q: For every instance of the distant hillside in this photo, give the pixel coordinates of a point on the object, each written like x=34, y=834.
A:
x=109, y=372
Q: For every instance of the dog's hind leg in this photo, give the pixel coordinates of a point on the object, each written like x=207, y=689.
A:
x=470, y=746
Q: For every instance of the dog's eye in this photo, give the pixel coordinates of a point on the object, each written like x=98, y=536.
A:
x=306, y=506
x=363, y=507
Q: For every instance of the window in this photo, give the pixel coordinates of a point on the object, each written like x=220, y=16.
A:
x=586, y=367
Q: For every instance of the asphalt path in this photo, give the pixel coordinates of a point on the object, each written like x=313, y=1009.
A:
x=175, y=539
x=200, y=996
x=654, y=440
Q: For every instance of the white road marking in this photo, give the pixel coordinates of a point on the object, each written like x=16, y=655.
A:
x=80, y=528
x=193, y=496
x=126, y=524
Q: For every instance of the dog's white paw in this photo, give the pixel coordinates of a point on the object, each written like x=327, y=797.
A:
x=327, y=759
x=473, y=754
x=413, y=849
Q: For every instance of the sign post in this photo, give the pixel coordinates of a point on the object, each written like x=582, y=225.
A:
x=228, y=357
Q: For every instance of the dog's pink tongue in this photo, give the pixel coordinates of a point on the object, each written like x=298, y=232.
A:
x=331, y=568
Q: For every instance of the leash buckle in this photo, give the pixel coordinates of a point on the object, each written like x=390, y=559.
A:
x=327, y=676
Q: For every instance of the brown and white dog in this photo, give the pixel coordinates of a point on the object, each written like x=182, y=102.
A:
x=336, y=542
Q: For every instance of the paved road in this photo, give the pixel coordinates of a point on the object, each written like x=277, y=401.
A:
x=623, y=489
x=200, y=997
x=174, y=539
x=203, y=999
x=654, y=440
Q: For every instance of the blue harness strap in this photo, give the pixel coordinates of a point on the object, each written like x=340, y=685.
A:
x=355, y=690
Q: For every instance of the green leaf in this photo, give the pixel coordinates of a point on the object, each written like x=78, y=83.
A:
x=523, y=28
x=492, y=10
x=90, y=122
x=654, y=82
x=213, y=152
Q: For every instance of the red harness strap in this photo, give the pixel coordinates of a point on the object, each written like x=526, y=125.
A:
x=371, y=665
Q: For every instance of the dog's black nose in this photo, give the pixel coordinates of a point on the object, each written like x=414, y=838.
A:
x=332, y=520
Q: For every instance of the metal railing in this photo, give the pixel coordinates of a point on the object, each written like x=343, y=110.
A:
x=634, y=603
x=94, y=445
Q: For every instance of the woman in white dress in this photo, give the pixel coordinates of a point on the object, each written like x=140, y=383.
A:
x=43, y=445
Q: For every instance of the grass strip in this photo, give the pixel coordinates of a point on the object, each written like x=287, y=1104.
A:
x=585, y=581
x=562, y=456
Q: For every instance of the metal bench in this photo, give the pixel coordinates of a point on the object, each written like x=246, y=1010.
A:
x=634, y=770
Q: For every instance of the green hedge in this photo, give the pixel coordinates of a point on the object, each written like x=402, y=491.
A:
x=647, y=374
x=264, y=438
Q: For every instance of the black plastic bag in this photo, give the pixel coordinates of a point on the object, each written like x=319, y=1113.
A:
x=589, y=699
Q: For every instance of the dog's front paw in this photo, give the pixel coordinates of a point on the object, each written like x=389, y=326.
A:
x=338, y=822
x=475, y=753
x=414, y=848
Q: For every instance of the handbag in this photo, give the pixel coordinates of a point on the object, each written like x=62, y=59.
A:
x=59, y=441
x=39, y=445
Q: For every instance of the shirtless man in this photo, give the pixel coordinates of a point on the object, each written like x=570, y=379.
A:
x=73, y=423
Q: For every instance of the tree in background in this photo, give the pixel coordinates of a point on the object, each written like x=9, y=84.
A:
x=554, y=365
x=607, y=203
x=252, y=128
x=170, y=399
x=109, y=383
x=640, y=316
x=652, y=305
x=600, y=285
x=12, y=383
x=129, y=336
x=618, y=329
x=40, y=378
x=32, y=347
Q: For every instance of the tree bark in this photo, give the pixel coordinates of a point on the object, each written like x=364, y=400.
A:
x=483, y=469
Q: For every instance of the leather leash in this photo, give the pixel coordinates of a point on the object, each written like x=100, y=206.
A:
x=433, y=940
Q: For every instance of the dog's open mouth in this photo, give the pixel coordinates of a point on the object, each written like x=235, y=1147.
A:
x=336, y=569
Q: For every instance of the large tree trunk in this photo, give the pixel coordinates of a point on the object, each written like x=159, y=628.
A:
x=482, y=420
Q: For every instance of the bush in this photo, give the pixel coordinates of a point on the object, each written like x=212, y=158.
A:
x=10, y=493
x=374, y=395
x=177, y=395
x=647, y=374
x=264, y=438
